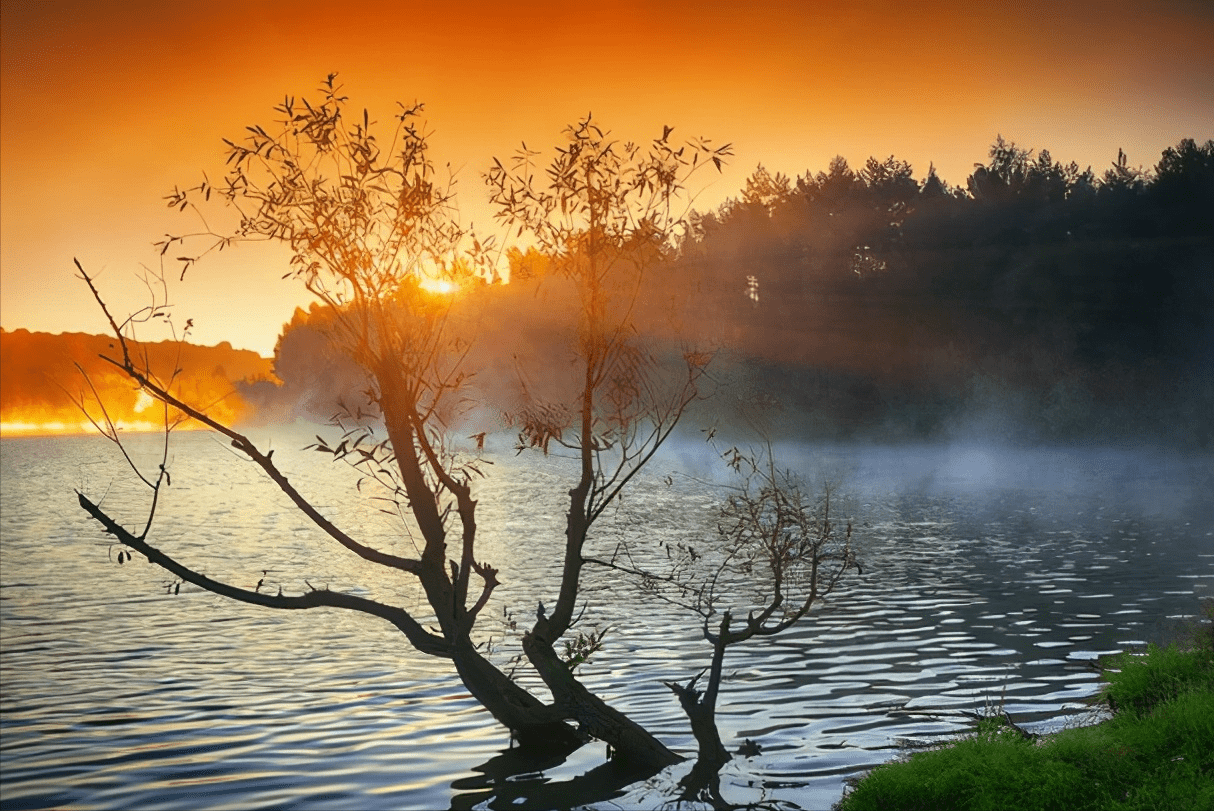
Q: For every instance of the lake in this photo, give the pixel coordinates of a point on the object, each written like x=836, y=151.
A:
x=990, y=575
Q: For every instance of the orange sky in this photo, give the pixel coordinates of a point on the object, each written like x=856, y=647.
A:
x=106, y=105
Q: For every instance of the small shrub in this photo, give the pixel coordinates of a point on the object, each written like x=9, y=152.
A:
x=1138, y=682
x=998, y=769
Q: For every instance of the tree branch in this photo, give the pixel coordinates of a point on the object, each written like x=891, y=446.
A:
x=418, y=636
x=244, y=444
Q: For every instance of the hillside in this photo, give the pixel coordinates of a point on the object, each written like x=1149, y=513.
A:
x=42, y=374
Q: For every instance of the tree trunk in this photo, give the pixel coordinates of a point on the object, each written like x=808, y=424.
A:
x=533, y=723
x=630, y=741
x=703, y=782
x=702, y=715
x=702, y=709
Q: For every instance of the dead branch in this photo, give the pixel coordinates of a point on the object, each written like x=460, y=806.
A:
x=422, y=639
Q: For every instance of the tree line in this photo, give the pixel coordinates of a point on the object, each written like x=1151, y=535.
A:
x=1117, y=266
x=871, y=302
x=44, y=377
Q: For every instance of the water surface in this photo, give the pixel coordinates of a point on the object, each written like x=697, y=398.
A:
x=989, y=576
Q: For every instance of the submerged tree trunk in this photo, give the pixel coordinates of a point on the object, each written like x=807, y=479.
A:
x=630, y=741
x=534, y=724
x=365, y=229
x=701, y=709
x=703, y=782
x=702, y=715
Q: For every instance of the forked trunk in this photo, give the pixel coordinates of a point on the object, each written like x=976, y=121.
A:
x=630, y=741
x=533, y=723
x=701, y=708
x=702, y=715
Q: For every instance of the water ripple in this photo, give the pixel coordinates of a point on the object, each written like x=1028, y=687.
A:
x=117, y=694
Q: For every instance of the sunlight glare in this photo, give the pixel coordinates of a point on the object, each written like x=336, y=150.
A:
x=439, y=286
x=143, y=402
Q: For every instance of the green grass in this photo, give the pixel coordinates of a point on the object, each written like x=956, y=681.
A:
x=1156, y=752
x=1139, y=682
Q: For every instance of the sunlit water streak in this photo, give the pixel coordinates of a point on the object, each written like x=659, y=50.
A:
x=989, y=576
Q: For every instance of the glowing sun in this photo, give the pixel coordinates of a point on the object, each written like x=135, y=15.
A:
x=439, y=286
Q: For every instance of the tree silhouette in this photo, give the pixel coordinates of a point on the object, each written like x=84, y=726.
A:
x=370, y=231
x=605, y=213
x=1049, y=272
x=782, y=549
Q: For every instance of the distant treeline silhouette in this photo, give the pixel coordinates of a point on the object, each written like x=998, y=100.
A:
x=1037, y=301
x=42, y=374
x=1081, y=301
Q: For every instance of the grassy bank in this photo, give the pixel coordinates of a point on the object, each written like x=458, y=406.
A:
x=1156, y=752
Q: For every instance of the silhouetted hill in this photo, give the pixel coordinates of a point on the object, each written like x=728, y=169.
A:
x=39, y=377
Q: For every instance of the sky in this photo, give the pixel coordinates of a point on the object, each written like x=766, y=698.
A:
x=105, y=106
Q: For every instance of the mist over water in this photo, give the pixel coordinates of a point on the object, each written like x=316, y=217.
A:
x=991, y=573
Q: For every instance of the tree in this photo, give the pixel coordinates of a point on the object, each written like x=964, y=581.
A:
x=933, y=187
x=528, y=265
x=315, y=375
x=367, y=227
x=1122, y=179
x=605, y=213
x=781, y=551
x=890, y=182
x=835, y=189
x=1184, y=185
x=1005, y=177
x=370, y=231
x=765, y=191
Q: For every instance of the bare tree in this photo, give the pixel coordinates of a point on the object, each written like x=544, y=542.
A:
x=604, y=212
x=782, y=548
x=370, y=226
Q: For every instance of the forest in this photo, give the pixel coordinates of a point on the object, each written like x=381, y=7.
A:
x=1034, y=302
x=45, y=378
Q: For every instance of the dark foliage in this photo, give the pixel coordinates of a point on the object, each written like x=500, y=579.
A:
x=1088, y=296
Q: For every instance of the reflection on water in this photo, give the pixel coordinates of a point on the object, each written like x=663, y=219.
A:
x=988, y=576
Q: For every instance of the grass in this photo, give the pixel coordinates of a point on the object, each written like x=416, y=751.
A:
x=1156, y=752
